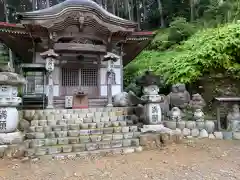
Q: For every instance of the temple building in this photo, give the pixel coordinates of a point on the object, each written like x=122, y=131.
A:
x=71, y=40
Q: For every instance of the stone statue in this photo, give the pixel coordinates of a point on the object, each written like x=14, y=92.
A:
x=179, y=96
x=198, y=115
x=233, y=118
x=197, y=102
x=176, y=114
x=121, y=100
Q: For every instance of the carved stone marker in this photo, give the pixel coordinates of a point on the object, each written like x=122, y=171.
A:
x=233, y=119
x=152, y=109
x=9, y=83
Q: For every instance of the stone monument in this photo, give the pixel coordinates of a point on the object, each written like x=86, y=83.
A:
x=9, y=100
x=197, y=102
x=233, y=119
x=179, y=96
x=152, y=108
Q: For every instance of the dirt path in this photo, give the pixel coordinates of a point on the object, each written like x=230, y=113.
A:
x=204, y=160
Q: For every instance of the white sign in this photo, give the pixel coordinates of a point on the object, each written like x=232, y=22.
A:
x=50, y=64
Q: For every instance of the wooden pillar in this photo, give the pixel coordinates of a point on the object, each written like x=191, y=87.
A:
x=50, y=57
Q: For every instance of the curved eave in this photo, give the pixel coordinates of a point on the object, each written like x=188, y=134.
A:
x=135, y=44
x=75, y=5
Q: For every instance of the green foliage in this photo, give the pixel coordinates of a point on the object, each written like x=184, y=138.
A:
x=210, y=50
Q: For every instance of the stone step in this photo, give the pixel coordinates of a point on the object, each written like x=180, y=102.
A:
x=79, y=121
x=62, y=131
x=100, y=152
x=64, y=140
x=51, y=126
x=92, y=146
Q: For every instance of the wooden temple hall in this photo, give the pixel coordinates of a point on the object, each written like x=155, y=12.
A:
x=72, y=53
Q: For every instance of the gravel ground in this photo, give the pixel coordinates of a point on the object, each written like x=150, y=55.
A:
x=201, y=160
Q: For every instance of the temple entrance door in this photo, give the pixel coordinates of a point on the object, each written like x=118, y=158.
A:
x=84, y=79
x=89, y=81
x=70, y=81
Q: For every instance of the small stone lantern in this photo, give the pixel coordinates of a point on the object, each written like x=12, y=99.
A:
x=9, y=100
x=152, y=109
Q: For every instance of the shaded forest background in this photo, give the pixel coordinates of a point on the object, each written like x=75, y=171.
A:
x=197, y=41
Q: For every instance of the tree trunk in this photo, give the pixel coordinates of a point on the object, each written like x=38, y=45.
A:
x=144, y=10
x=113, y=7
x=138, y=14
x=132, y=10
x=192, y=10
x=160, y=8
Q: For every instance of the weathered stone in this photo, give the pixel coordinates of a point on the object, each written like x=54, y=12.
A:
x=209, y=126
x=227, y=135
x=96, y=131
x=62, y=122
x=135, y=142
x=83, y=126
x=23, y=125
x=128, y=135
x=2, y=150
x=84, y=139
x=73, y=133
x=200, y=125
x=181, y=124
x=107, y=124
x=43, y=123
x=138, y=149
x=107, y=137
x=108, y=130
x=195, y=132
x=133, y=128
x=203, y=134
x=104, y=119
x=122, y=123
x=50, y=134
x=117, y=136
x=61, y=134
x=88, y=120
x=104, y=145
x=39, y=135
x=236, y=135
x=190, y=124
x=125, y=129
x=116, y=143
x=51, y=123
x=100, y=124
x=78, y=147
x=92, y=125
x=34, y=123
x=128, y=150
x=54, y=149
x=57, y=128
x=117, y=129
x=50, y=142
x=171, y=124
x=151, y=141
x=136, y=134
x=67, y=148
x=96, y=138
x=37, y=143
x=66, y=116
x=91, y=146
x=84, y=132
x=30, y=136
x=11, y=138
x=39, y=128
x=62, y=141
x=72, y=121
x=73, y=127
x=73, y=140
x=186, y=132
x=32, y=129
x=218, y=135
x=47, y=129
x=211, y=136
x=15, y=151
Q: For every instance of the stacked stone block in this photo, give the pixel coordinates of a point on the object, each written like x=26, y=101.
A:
x=83, y=131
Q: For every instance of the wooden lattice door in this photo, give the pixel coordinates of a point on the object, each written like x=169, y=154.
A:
x=89, y=81
x=70, y=81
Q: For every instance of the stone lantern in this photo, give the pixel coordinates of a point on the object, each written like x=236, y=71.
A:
x=9, y=100
x=152, y=109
